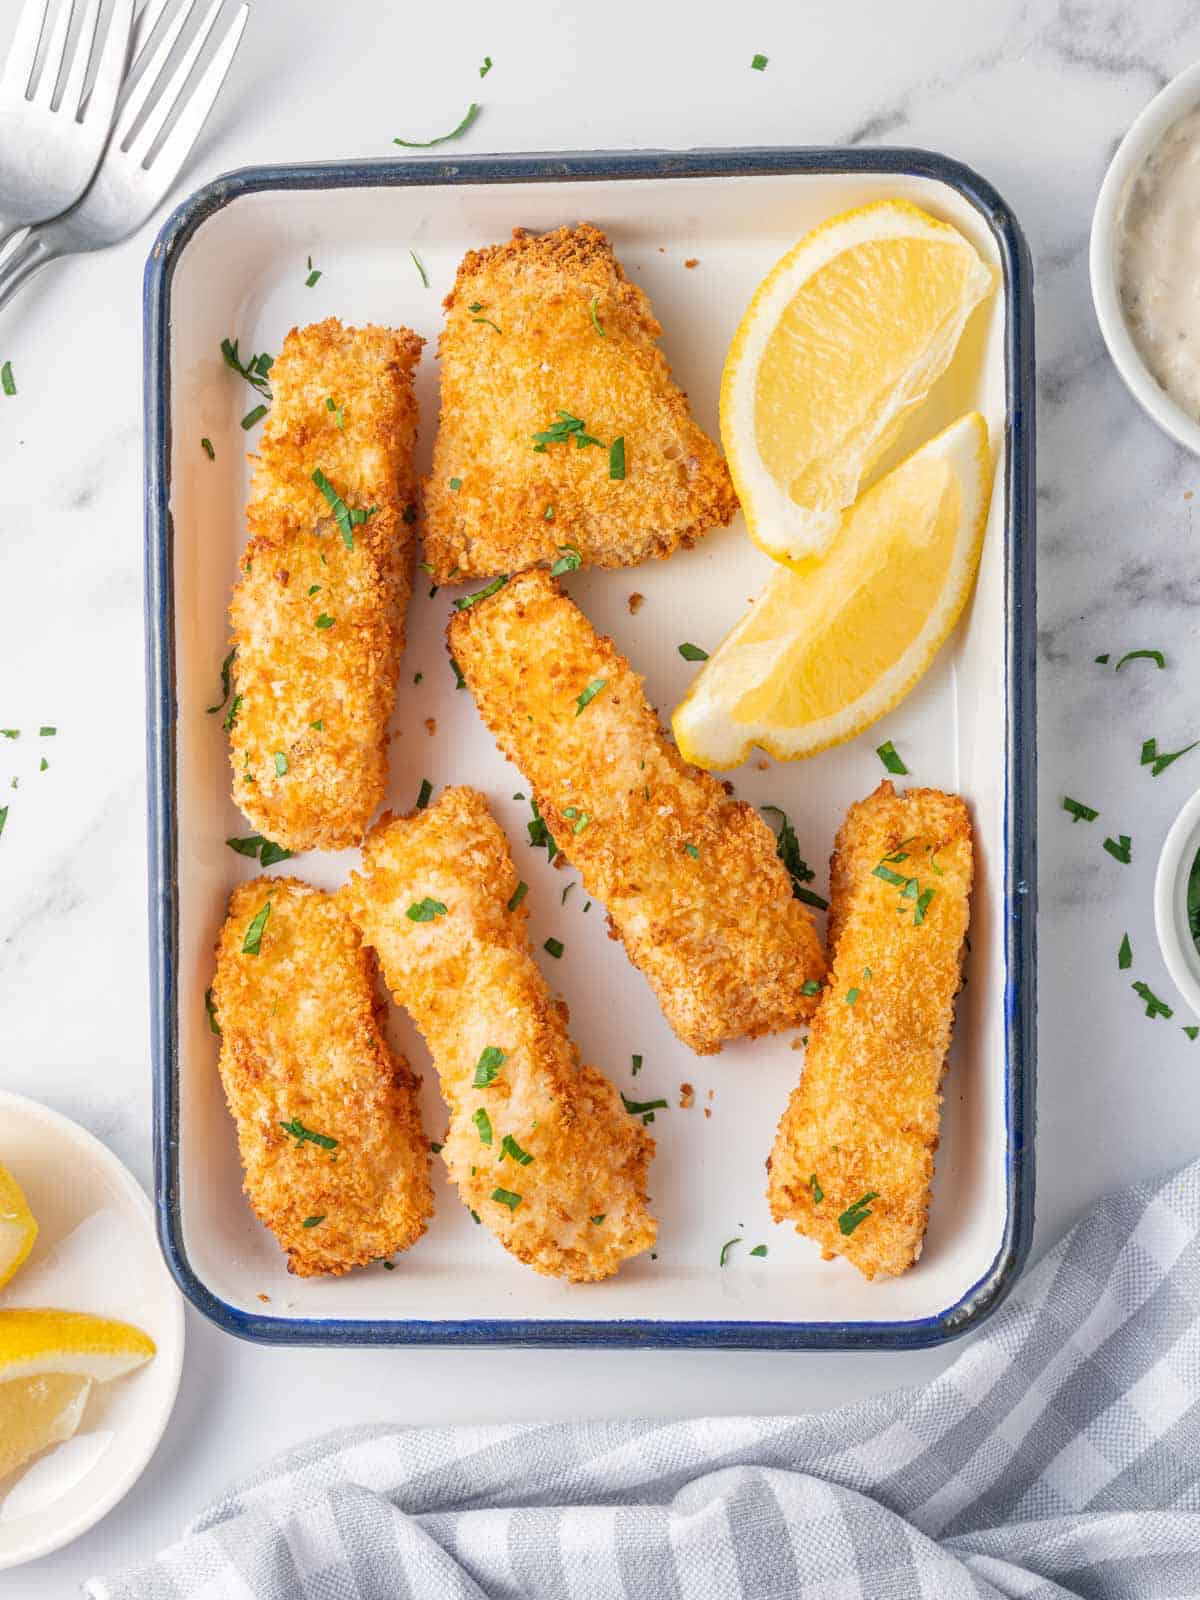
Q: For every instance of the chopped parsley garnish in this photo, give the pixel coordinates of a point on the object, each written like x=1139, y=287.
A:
x=425, y=910
x=692, y=851
x=11, y=733
x=856, y=1213
x=456, y=485
x=637, y=1065
x=475, y=1216
x=585, y=699
x=818, y=1193
x=554, y=947
x=616, y=460
x=596, y=1221
x=787, y=848
x=259, y=849
x=319, y=724
x=339, y=412
x=486, y=67
x=1192, y=1031
x=1119, y=848
x=324, y=620
x=313, y=588
x=231, y=715
x=518, y=895
x=253, y=416
x=295, y=1129
x=922, y=906
x=443, y=138
x=693, y=652
x=459, y=681
x=561, y=432
x=313, y=1222
x=1142, y=655
x=423, y=794
x=484, y=1123
x=578, y=819
x=206, y=445
x=810, y=986
x=852, y=995
x=1079, y=812
x=759, y=1250
x=3, y=817
x=225, y=678
x=254, y=371
x=347, y=517
x=436, y=1147
x=252, y=943
x=1159, y=761
x=548, y=516
x=727, y=1247
x=506, y=1197
x=211, y=1009
x=1125, y=954
x=1102, y=661
x=539, y=833
x=281, y=763
x=592, y=311
x=420, y=266
x=489, y=322
x=488, y=1065
x=639, y=1108
x=7, y=382
x=759, y=64
x=1154, y=1006
x=314, y=277
x=510, y=1147
x=468, y=600
x=570, y=559
x=888, y=754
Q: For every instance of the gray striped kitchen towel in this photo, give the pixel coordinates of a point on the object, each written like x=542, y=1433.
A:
x=1059, y=1455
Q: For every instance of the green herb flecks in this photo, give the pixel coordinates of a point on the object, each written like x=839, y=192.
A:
x=510, y=1147
x=442, y=138
x=787, y=848
x=235, y=705
x=888, y=754
x=563, y=431
x=1078, y=811
x=569, y=560
x=252, y=943
x=518, y=895
x=255, y=371
x=1158, y=761
x=578, y=819
x=1119, y=848
x=1154, y=1006
x=281, y=763
x=324, y=621
x=259, y=849
x=206, y=445
x=640, y=1108
x=856, y=1213
x=7, y=382
x=486, y=67
x=539, y=834
x=211, y=1010
x=693, y=652
x=616, y=460
x=426, y=910
x=295, y=1129
x=810, y=986
x=483, y=1123
x=1125, y=954
x=226, y=667
x=314, y=277
x=818, y=1193
x=251, y=417
x=313, y=1222
x=554, y=947
x=759, y=1250
x=468, y=600
x=727, y=1247
x=1192, y=1031
x=585, y=699
x=637, y=1065
x=420, y=266
x=423, y=794
x=347, y=517
x=758, y=64
x=693, y=851
x=506, y=1197
x=488, y=1065
x=1156, y=656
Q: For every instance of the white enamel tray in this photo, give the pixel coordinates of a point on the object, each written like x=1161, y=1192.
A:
x=232, y=262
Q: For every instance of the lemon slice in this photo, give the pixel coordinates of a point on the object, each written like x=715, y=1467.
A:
x=38, y=1412
x=843, y=338
x=823, y=654
x=18, y=1229
x=35, y=1343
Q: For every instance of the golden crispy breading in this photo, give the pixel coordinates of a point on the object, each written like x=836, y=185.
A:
x=526, y=1120
x=858, y=1136
x=515, y=506
x=690, y=878
x=302, y=1044
x=319, y=627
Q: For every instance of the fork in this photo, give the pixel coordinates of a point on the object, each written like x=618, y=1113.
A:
x=133, y=178
x=50, y=146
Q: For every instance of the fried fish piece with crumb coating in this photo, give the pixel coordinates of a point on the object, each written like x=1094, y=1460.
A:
x=853, y=1157
x=541, y=1148
x=329, y=1130
x=545, y=335
x=318, y=613
x=690, y=878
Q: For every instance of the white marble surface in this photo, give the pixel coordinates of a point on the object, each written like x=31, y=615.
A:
x=1034, y=96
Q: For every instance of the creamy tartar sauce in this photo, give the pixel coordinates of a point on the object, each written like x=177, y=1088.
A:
x=1158, y=261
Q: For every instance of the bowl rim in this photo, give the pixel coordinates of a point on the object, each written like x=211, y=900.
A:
x=169, y=1351
x=1179, y=952
x=1177, y=97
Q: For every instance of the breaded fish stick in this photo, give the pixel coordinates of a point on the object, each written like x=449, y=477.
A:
x=690, y=878
x=318, y=614
x=337, y=1165
x=548, y=358
x=541, y=1148
x=853, y=1157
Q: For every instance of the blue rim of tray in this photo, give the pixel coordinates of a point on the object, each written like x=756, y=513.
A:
x=1020, y=879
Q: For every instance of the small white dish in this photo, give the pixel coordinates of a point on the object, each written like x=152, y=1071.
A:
x=1180, y=96
x=1171, y=922
x=96, y=1251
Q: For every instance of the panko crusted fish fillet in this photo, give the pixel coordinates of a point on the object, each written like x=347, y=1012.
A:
x=541, y=1148
x=690, y=878
x=336, y=1162
x=546, y=336
x=318, y=612
x=853, y=1158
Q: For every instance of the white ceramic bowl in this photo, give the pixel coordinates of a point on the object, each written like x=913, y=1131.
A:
x=95, y=1251
x=1181, y=95
x=1170, y=902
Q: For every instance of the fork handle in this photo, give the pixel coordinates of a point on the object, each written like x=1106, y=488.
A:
x=29, y=257
x=9, y=231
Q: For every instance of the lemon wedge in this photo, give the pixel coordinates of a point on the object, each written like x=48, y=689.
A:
x=38, y=1412
x=18, y=1229
x=35, y=1343
x=845, y=335
x=823, y=654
